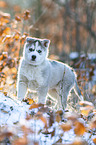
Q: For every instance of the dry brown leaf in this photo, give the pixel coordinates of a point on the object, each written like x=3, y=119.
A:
x=7, y=31
x=51, y=119
x=45, y=131
x=86, y=104
x=5, y=134
x=58, y=118
x=5, y=15
x=4, y=63
x=23, y=37
x=44, y=120
x=7, y=37
x=14, y=76
x=55, y=57
x=26, y=130
x=17, y=18
x=16, y=36
x=17, y=8
x=94, y=90
x=92, y=124
x=94, y=140
x=28, y=117
x=5, y=55
x=85, y=110
x=2, y=136
x=37, y=106
x=94, y=111
x=30, y=101
x=4, y=111
x=34, y=106
x=78, y=141
x=14, y=70
x=60, y=112
x=5, y=93
x=1, y=88
x=71, y=116
x=60, y=144
x=38, y=114
x=4, y=21
x=21, y=141
x=36, y=143
x=1, y=57
x=66, y=126
x=26, y=15
x=3, y=4
x=79, y=128
x=52, y=133
x=59, y=141
x=43, y=109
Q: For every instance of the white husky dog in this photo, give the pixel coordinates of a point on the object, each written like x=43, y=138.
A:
x=38, y=73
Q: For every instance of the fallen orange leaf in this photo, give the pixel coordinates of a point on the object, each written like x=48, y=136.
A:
x=34, y=106
x=66, y=126
x=94, y=140
x=79, y=128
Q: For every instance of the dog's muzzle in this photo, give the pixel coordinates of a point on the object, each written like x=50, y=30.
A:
x=33, y=57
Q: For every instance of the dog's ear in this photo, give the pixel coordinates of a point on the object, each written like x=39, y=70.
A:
x=46, y=43
x=29, y=39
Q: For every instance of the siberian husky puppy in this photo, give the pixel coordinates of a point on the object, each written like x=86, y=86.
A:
x=38, y=73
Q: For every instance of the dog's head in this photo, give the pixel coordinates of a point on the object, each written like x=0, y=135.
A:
x=35, y=50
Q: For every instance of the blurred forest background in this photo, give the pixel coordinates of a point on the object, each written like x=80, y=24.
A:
x=69, y=24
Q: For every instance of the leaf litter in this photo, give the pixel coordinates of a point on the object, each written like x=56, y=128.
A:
x=25, y=124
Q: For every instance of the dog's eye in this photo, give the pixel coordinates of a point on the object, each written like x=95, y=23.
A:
x=39, y=51
x=30, y=49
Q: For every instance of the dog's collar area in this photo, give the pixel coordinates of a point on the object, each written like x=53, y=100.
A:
x=36, y=65
x=33, y=65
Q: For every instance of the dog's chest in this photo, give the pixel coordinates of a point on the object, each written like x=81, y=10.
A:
x=34, y=76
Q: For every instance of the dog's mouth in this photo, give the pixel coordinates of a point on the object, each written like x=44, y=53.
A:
x=33, y=60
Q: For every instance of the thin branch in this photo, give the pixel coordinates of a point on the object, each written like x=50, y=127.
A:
x=40, y=17
x=74, y=16
x=86, y=26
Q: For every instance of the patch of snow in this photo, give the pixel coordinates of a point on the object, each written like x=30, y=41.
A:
x=92, y=56
x=74, y=55
x=10, y=111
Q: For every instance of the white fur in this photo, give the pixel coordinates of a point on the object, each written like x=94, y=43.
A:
x=43, y=75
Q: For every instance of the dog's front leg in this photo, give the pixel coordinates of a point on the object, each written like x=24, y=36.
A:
x=21, y=90
x=42, y=93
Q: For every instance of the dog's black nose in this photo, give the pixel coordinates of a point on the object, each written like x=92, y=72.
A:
x=33, y=57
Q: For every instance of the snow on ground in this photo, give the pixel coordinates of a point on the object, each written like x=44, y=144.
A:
x=12, y=112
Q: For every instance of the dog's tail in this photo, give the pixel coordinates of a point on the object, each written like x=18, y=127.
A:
x=77, y=91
